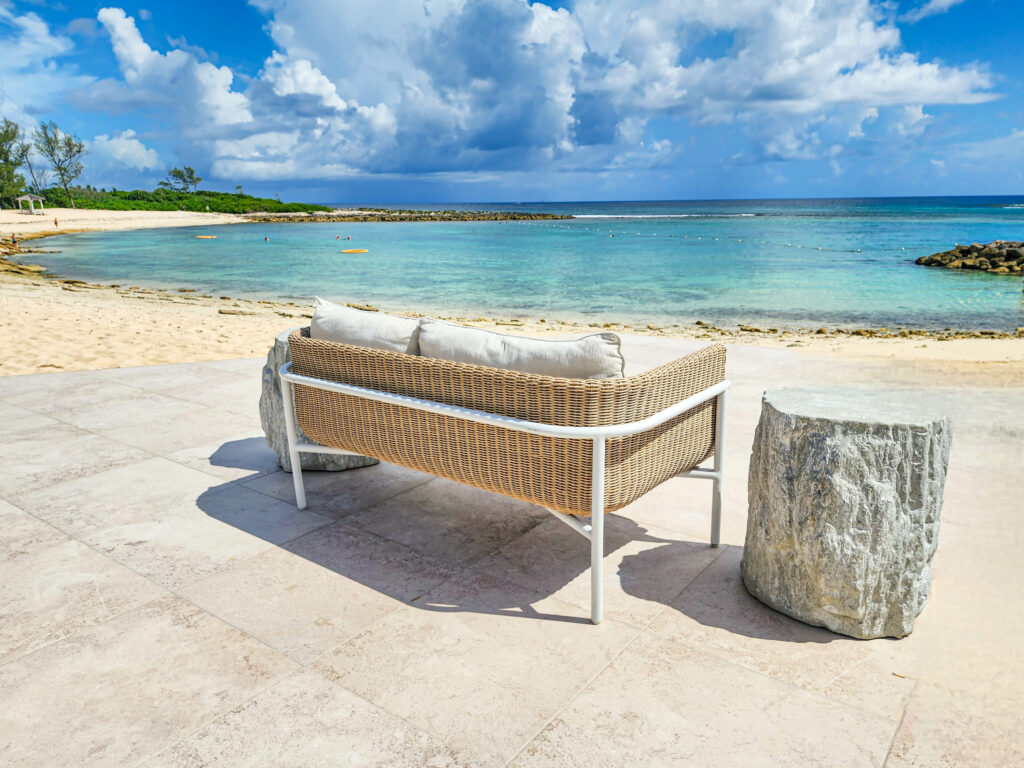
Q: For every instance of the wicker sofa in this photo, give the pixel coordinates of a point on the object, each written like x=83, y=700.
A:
x=577, y=447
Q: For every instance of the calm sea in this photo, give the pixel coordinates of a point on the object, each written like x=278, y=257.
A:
x=801, y=263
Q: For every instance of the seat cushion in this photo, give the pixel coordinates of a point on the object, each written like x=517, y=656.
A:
x=597, y=356
x=345, y=325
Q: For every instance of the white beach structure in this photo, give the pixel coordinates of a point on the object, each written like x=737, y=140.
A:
x=31, y=200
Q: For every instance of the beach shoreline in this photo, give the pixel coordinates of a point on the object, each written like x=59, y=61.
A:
x=57, y=323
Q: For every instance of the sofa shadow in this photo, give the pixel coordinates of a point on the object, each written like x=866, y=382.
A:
x=249, y=453
x=497, y=584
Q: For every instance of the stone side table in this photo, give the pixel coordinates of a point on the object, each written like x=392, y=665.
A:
x=272, y=418
x=845, y=493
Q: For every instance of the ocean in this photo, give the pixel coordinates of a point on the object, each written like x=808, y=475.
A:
x=779, y=263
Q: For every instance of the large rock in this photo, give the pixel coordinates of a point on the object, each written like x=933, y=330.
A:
x=999, y=257
x=272, y=418
x=845, y=494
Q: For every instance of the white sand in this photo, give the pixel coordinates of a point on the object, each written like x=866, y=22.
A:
x=76, y=220
x=46, y=325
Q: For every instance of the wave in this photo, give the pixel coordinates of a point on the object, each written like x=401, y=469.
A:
x=665, y=215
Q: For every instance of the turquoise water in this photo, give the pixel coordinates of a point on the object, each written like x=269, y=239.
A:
x=787, y=263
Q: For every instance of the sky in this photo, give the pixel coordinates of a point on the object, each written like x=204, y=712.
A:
x=432, y=101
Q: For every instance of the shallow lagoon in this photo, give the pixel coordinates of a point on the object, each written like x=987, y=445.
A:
x=785, y=263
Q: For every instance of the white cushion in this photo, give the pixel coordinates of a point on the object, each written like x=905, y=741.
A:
x=346, y=325
x=590, y=357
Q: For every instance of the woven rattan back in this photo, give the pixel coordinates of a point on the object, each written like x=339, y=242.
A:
x=552, y=472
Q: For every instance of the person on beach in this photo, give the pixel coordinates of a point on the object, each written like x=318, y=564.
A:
x=55, y=225
x=14, y=242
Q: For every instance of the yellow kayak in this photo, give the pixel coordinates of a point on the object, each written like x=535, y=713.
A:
x=356, y=250
x=206, y=237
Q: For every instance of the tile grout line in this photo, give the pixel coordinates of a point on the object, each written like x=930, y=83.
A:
x=899, y=725
x=637, y=632
x=219, y=715
x=582, y=689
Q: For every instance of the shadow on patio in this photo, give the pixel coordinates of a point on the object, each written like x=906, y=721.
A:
x=516, y=556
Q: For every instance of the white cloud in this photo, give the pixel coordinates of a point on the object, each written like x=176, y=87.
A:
x=125, y=150
x=32, y=78
x=175, y=79
x=454, y=87
x=929, y=8
x=869, y=115
x=913, y=122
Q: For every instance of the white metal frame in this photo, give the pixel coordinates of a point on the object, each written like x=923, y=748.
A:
x=594, y=530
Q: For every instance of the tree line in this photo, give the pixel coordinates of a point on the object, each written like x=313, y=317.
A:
x=62, y=151
x=49, y=150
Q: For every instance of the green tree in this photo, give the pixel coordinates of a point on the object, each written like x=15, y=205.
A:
x=182, y=179
x=40, y=176
x=63, y=150
x=12, y=183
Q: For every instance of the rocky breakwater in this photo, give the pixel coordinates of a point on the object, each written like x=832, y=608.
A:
x=387, y=214
x=1000, y=257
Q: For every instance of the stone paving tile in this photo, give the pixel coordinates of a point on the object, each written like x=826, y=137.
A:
x=245, y=366
x=944, y=728
x=664, y=704
x=159, y=378
x=60, y=589
x=449, y=522
x=128, y=688
x=227, y=392
x=716, y=615
x=22, y=534
x=332, y=584
x=129, y=412
x=170, y=522
x=305, y=721
x=66, y=381
x=10, y=412
x=244, y=456
x=166, y=436
x=339, y=494
x=481, y=664
x=228, y=525
x=644, y=567
x=153, y=488
x=38, y=452
x=90, y=393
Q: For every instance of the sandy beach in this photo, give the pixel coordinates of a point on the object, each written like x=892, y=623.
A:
x=56, y=323
x=83, y=220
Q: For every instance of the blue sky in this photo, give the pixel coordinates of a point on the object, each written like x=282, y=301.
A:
x=506, y=100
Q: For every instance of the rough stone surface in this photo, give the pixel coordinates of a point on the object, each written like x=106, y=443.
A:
x=845, y=494
x=1000, y=257
x=272, y=418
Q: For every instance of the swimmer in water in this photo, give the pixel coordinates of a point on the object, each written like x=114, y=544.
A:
x=266, y=239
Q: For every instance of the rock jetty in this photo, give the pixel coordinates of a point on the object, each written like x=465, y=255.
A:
x=1000, y=257
x=387, y=214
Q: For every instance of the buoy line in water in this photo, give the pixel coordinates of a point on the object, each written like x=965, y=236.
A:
x=647, y=236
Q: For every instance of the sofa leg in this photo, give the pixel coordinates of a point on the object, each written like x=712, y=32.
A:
x=716, y=512
x=294, y=458
x=716, y=484
x=597, y=534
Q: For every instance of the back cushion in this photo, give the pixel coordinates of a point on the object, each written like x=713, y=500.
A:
x=345, y=325
x=591, y=357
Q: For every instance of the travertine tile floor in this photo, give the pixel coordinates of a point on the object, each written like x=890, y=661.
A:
x=162, y=602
